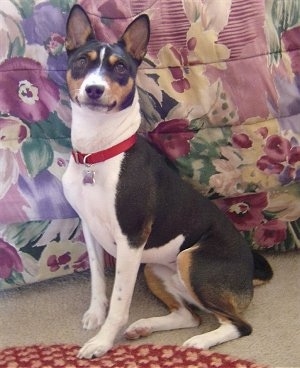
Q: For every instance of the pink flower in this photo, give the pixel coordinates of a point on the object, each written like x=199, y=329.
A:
x=294, y=155
x=266, y=164
x=82, y=262
x=245, y=211
x=270, y=233
x=9, y=260
x=54, y=262
x=277, y=148
x=55, y=44
x=281, y=158
x=180, y=83
x=263, y=131
x=109, y=28
x=172, y=138
x=241, y=140
x=25, y=90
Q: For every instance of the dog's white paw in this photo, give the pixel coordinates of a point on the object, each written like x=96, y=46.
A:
x=197, y=342
x=94, y=317
x=94, y=348
x=140, y=328
x=226, y=332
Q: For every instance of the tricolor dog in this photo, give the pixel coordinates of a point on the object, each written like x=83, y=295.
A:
x=134, y=204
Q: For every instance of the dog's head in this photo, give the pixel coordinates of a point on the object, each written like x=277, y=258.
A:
x=101, y=76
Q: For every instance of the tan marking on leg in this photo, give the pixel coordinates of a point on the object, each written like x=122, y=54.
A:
x=224, y=304
x=214, y=298
x=157, y=287
x=184, y=261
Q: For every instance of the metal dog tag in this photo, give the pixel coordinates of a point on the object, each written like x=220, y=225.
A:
x=88, y=174
x=88, y=177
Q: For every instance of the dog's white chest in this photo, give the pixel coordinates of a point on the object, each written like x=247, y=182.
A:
x=94, y=200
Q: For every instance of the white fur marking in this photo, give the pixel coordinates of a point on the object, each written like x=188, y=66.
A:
x=125, y=279
x=95, y=77
x=181, y=318
x=95, y=131
x=95, y=315
x=102, y=54
x=224, y=333
x=165, y=254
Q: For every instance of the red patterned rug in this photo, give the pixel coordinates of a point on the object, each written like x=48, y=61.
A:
x=124, y=356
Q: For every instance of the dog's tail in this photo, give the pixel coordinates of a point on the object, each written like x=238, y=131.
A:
x=262, y=270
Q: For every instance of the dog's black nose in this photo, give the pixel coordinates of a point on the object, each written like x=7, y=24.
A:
x=94, y=91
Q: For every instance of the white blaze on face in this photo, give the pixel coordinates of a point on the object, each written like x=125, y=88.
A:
x=95, y=77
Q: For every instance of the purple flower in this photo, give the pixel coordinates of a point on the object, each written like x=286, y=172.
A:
x=57, y=59
x=45, y=197
x=281, y=158
x=46, y=21
x=25, y=90
x=9, y=260
x=46, y=27
x=57, y=65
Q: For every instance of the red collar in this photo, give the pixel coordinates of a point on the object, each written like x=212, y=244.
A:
x=100, y=156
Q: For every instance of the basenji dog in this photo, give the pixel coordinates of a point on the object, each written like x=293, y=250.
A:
x=134, y=205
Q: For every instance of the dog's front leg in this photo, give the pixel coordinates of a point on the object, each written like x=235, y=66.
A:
x=127, y=265
x=95, y=315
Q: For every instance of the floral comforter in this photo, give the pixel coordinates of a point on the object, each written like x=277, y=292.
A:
x=219, y=91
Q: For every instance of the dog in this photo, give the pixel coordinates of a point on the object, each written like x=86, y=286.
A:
x=134, y=205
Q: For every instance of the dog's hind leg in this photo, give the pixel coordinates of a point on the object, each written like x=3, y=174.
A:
x=218, y=290
x=165, y=285
x=95, y=315
x=225, y=332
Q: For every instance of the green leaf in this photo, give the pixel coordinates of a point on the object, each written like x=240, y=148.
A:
x=168, y=103
x=64, y=5
x=37, y=154
x=52, y=128
x=199, y=123
x=270, y=215
x=150, y=109
x=35, y=252
x=16, y=48
x=25, y=233
x=25, y=7
x=16, y=279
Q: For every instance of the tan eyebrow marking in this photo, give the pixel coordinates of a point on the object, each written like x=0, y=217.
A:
x=113, y=59
x=93, y=55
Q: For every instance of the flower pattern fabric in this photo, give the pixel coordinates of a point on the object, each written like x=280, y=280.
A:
x=219, y=92
x=142, y=356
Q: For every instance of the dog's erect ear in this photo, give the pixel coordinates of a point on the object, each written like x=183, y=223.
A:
x=79, y=28
x=136, y=37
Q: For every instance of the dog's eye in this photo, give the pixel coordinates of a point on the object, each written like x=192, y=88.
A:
x=120, y=68
x=81, y=62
